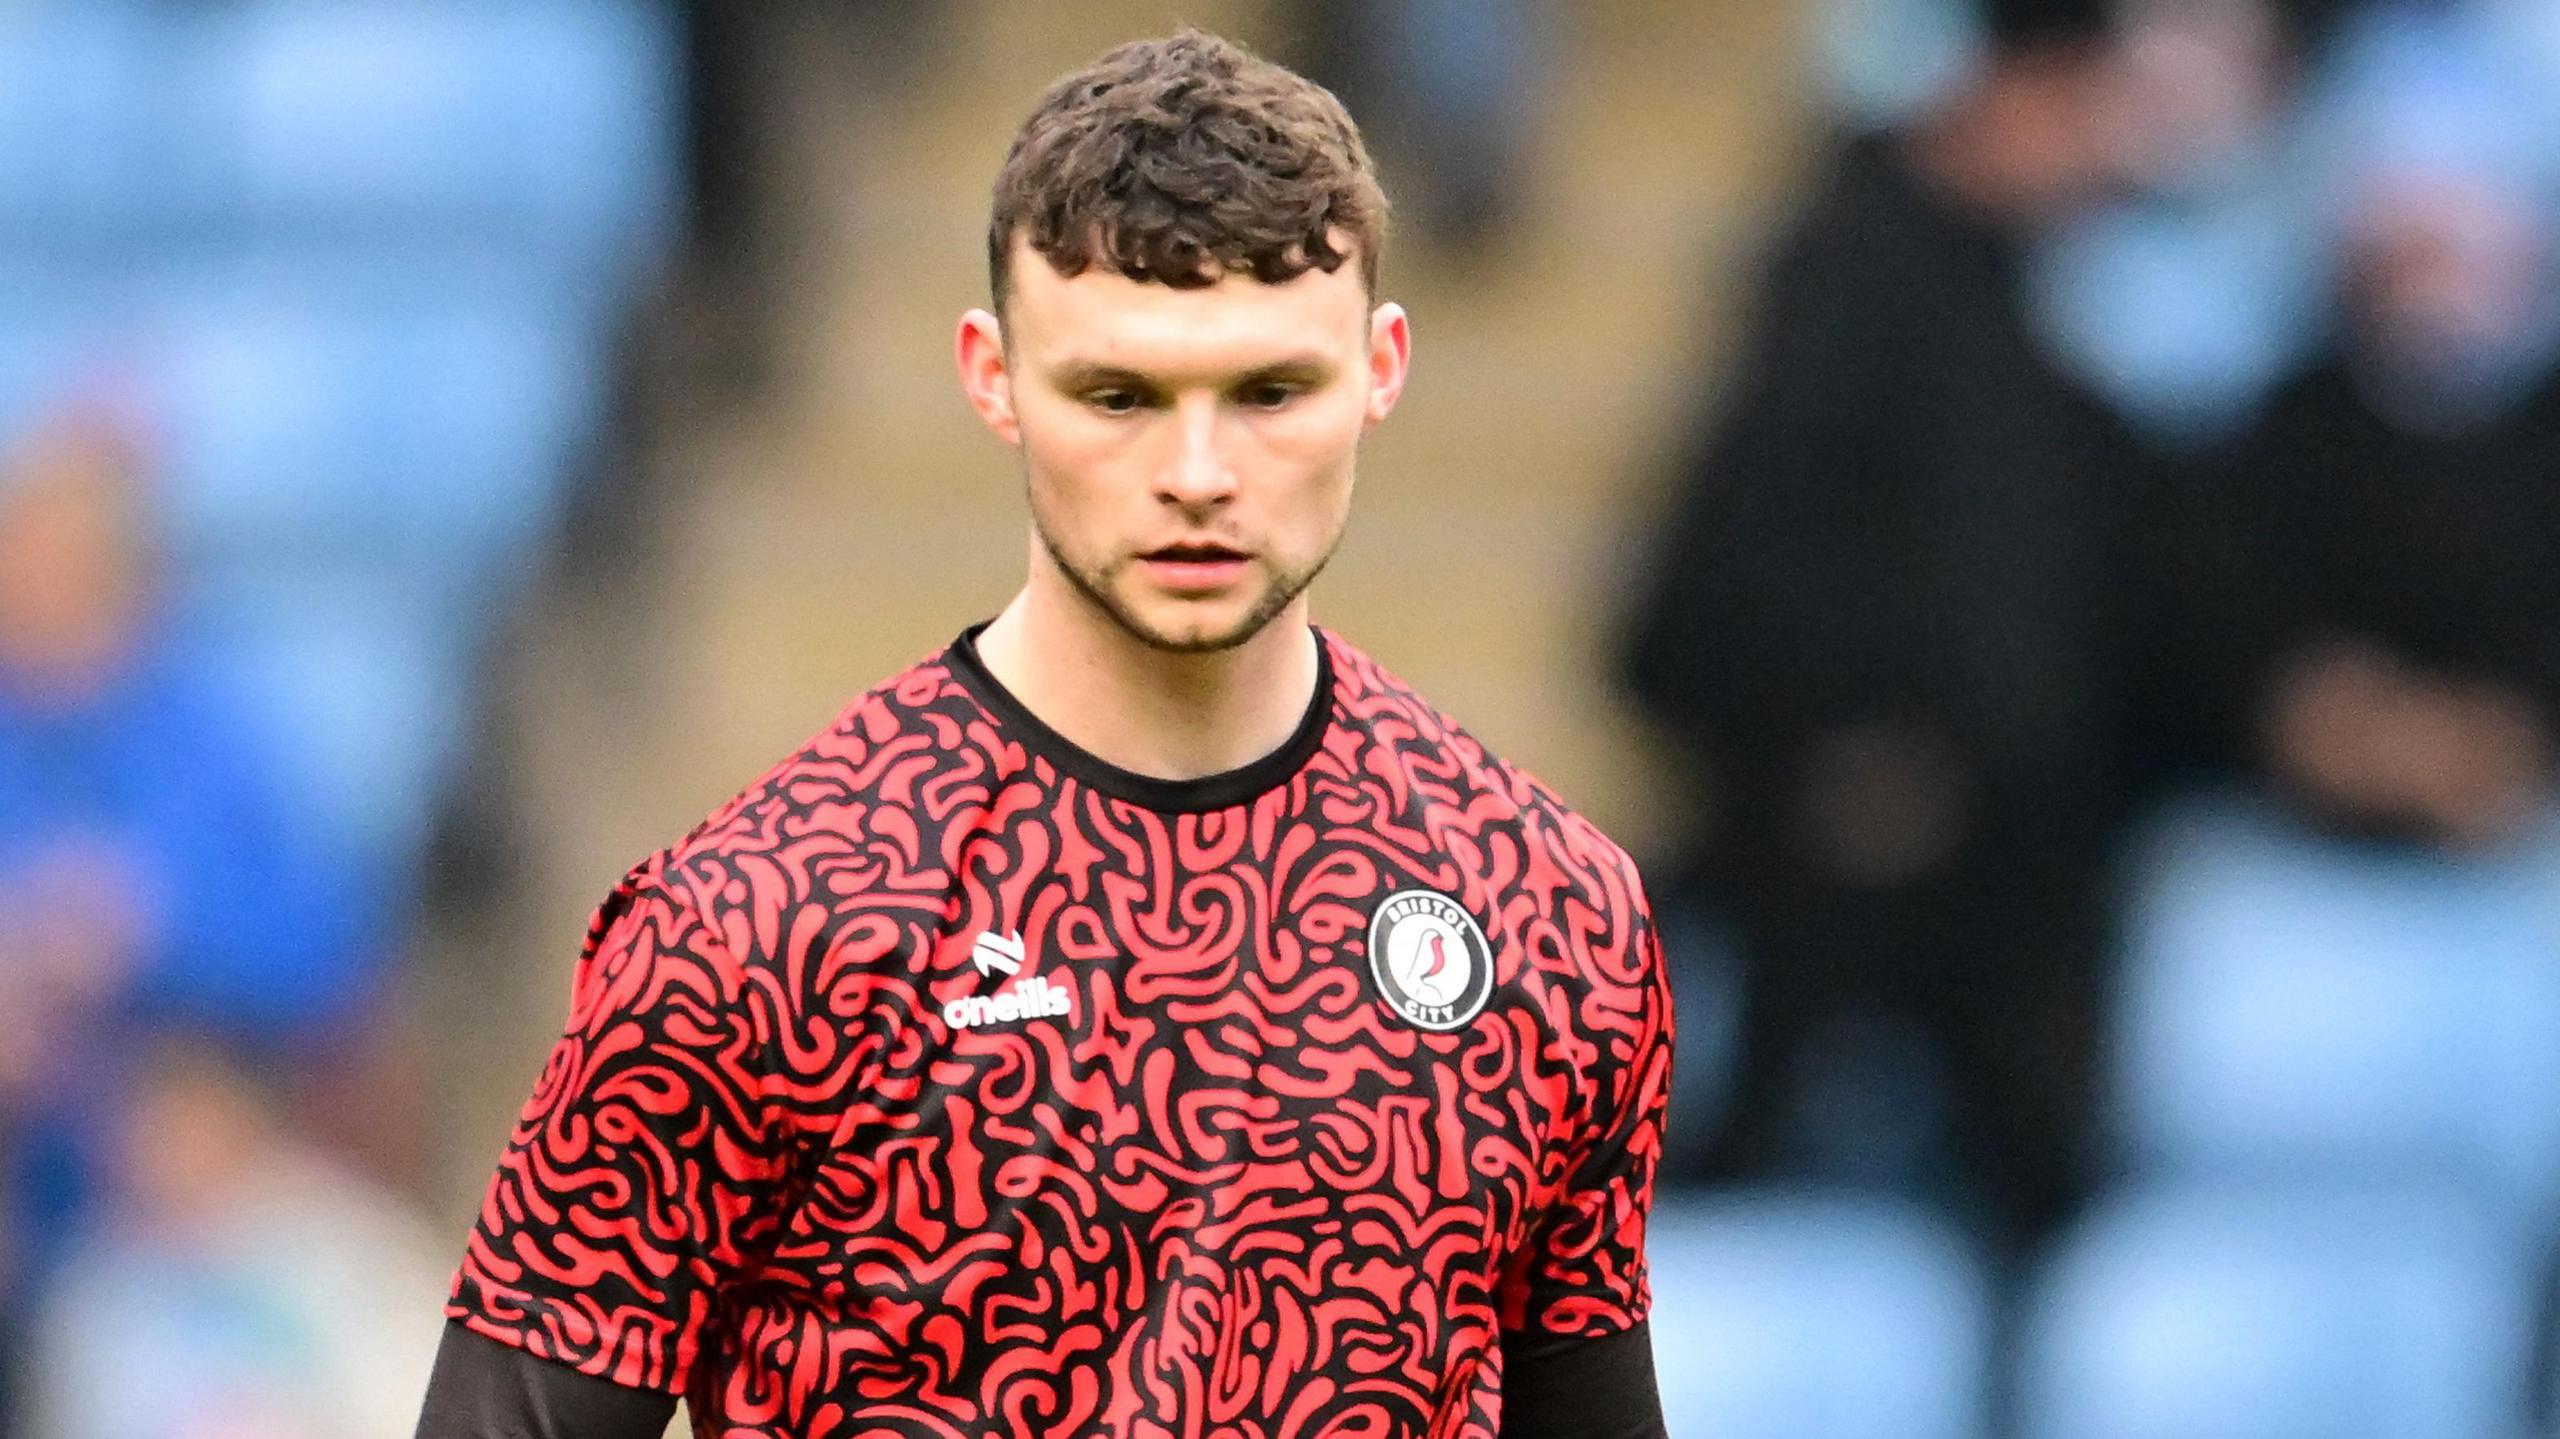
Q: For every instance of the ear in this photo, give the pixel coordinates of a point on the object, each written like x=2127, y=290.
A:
x=984, y=376
x=1390, y=358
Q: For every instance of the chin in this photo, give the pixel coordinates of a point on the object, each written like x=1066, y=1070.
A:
x=1195, y=627
x=1195, y=636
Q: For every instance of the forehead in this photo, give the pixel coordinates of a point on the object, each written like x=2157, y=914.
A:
x=1104, y=317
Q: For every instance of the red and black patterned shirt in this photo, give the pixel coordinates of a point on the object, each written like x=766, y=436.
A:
x=953, y=1082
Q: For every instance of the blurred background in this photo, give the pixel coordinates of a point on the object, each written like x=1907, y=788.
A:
x=2037, y=520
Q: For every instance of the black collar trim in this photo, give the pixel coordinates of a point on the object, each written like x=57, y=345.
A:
x=1169, y=796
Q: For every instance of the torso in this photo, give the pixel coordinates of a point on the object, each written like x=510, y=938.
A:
x=1108, y=1121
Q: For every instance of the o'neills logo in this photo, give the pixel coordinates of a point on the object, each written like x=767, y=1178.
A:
x=1033, y=998
x=1430, y=959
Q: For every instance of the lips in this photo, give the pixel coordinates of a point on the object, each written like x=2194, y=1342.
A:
x=1194, y=569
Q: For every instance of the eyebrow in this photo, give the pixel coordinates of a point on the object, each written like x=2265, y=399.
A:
x=1075, y=375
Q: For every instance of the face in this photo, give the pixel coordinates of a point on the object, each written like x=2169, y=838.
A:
x=2195, y=81
x=72, y=566
x=2445, y=269
x=1188, y=452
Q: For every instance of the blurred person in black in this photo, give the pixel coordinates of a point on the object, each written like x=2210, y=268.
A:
x=1893, y=617
x=2393, y=645
x=756, y=76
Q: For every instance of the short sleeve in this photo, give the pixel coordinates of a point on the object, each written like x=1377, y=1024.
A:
x=1582, y=1270
x=643, y=1175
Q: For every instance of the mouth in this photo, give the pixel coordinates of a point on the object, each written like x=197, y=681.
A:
x=1195, y=569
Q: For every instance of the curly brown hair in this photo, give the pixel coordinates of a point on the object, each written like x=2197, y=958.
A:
x=1180, y=159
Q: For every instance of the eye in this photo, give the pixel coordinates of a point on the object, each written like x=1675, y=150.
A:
x=1115, y=402
x=1270, y=394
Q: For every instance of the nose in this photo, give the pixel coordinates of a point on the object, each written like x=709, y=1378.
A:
x=1197, y=477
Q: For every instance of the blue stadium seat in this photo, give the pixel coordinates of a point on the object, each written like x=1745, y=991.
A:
x=1799, y=1317
x=367, y=688
x=2226, y=1314
x=1882, y=62
x=423, y=422
x=76, y=87
x=2184, y=314
x=2296, y=1005
x=57, y=341
x=357, y=262
x=549, y=125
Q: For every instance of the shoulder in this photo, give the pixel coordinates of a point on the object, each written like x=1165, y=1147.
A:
x=1860, y=204
x=1507, y=826
x=861, y=807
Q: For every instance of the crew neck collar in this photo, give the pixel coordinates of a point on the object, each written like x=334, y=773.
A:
x=1171, y=796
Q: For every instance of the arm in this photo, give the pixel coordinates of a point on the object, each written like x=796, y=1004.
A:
x=483, y=1389
x=1577, y=1356
x=652, y=1164
x=1556, y=1388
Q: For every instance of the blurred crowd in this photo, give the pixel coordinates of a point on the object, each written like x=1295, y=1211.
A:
x=2108, y=604
x=2112, y=602
x=162, y=900
x=300, y=346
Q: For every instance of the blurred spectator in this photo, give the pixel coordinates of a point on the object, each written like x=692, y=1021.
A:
x=133, y=800
x=2397, y=643
x=141, y=845
x=240, y=1285
x=2185, y=301
x=1893, y=618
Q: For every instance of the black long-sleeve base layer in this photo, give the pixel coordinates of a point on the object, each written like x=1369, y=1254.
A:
x=1553, y=1388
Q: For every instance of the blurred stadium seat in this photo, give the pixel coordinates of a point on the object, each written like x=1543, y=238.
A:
x=61, y=334
x=2232, y=1314
x=547, y=124
x=1801, y=1317
x=2297, y=1005
x=75, y=82
x=414, y=426
x=365, y=688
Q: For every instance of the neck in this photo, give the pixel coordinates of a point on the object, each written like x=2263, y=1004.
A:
x=1156, y=713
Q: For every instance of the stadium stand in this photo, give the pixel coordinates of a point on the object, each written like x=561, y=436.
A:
x=2235, y=1313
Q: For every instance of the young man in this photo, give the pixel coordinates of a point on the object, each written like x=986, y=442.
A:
x=1145, y=1016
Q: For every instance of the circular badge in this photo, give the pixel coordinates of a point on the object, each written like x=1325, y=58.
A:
x=1430, y=960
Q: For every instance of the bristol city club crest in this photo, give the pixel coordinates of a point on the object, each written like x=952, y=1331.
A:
x=1430, y=959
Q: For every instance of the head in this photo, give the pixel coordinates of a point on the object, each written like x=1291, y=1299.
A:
x=75, y=557
x=2202, y=81
x=2034, y=135
x=201, y=1123
x=2451, y=301
x=2440, y=267
x=1185, y=344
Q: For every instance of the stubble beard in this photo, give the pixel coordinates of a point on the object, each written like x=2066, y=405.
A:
x=1100, y=590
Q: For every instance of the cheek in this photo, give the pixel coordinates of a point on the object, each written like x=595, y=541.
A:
x=1061, y=437
x=1317, y=442
x=1071, y=460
